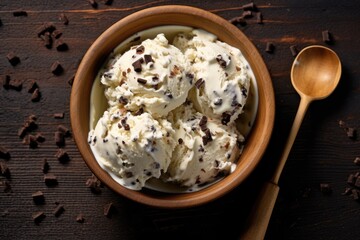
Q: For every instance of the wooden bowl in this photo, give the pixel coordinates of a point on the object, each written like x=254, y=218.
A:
x=256, y=142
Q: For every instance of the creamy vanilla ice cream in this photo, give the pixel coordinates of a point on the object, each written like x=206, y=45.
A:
x=171, y=111
x=222, y=78
x=206, y=148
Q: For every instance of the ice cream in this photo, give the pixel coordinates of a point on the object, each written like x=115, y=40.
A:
x=171, y=111
x=206, y=148
x=133, y=147
x=151, y=76
x=222, y=76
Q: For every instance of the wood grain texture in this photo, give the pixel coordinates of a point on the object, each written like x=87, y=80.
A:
x=321, y=153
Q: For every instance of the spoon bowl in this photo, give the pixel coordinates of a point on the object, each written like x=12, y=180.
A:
x=316, y=72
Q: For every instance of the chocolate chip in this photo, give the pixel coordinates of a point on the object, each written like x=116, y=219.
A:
x=108, y=209
x=4, y=153
x=325, y=188
x=269, y=47
x=64, y=19
x=199, y=83
x=56, y=34
x=56, y=68
x=259, y=18
x=347, y=191
x=140, y=49
x=294, y=50
x=139, y=112
x=218, y=102
x=38, y=197
x=137, y=65
x=351, y=179
x=50, y=179
x=46, y=27
x=4, y=170
x=36, y=95
x=64, y=130
x=30, y=124
x=94, y=184
x=45, y=166
x=93, y=3
x=148, y=58
x=168, y=94
x=357, y=161
x=60, y=45
x=33, y=85
x=207, y=138
x=46, y=37
x=203, y=121
x=247, y=14
x=22, y=132
x=80, y=218
x=221, y=61
x=357, y=182
x=58, y=210
x=32, y=141
x=180, y=141
x=238, y=20
x=6, y=81
x=16, y=84
x=351, y=132
x=62, y=156
x=141, y=81
x=225, y=118
x=38, y=217
x=19, y=13
x=59, y=115
x=355, y=194
x=7, y=187
x=326, y=36
x=13, y=59
x=59, y=138
x=39, y=137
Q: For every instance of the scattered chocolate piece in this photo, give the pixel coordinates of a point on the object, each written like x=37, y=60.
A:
x=238, y=20
x=347, y=191
x=36, y=95
x=64, y=18
x=62, y=156
x=59, y=115
x=80, y=218
x=38, y=217
x=199, y=83
x=13, y=59
x=33, y=86
x=355, y=194
x=207, y=138
x=351, y=179
x=32, y=141
x=139, y=112
x=59, y=138
x=39, y=137
x=45, y=166
x=4, y=153
x=20, y=13
x=123, y=100
x=30, y=124
x=137, y=65
x=56, y=34
x=225, y=118
x=4, y=170
x=325, y=188
x=293, y=50
x=351, y=132
x=93, y=3
x=64, y=130
x=259, y=18
x=221, y=61
x=141, y=81
x=46, y=27
x=22, y=132
x=56, y=68
x=46, y=37
x=269, y=47
x=108, y=209
x=140, y=49
x=203, y=121
x=38, y=197
x=357, y=161
x=94, y=184
x=60, y=45
x=7, y=187
x=71, y=80
x=1, y=22
x=16, y=84
x=50, y=179
x=357, y=182
x=326, y=36
x=6, y=82
x=148, y=58
x=248, y=6
x=59, y=210
x=180, y=141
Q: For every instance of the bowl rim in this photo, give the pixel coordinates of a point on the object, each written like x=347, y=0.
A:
x=265, y=117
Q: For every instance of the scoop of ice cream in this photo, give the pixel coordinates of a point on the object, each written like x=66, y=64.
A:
x=151, y=76
x=133, y=148
x=222, y=75
x=206, y=148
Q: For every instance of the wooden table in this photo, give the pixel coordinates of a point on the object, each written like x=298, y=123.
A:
x=322, y=153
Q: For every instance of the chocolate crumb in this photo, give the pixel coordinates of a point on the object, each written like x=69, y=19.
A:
x=108, y=209
x=45, y=166
x=46, y=37
x=357, y=161
x=225, y=118
x=64, y=19
x=38, y=217
x=13, y=59
x=294, y=50
x=259, y=18
x=4, y=170
x=22, y=132
x=59, y=138
x=347, y=191
x=326, y=36
x=351, y=179
x=19, y=13
x=139, y=112
x=6, y=82
x=247, y=14
x=38, y=197
x=7, y=188
x=199, y=83
x=59, y=115
x=58, y=210
x=71, y=80
x=141, y=81
x=94, y=184
x=4, y=153
x=36, y=95
x=33, y=86
x=39, y=137
x=64, y=130
x=46, y=27
x=325, y=188
x=180, y=141
x=148, y=58
x=269, y=47
x=80, y=218
x=203, y=121
x=16, y=85
x=32, y=141
x=93, y=4
x=60, y=45
x=56, y=68
x=50, y=180
x=137, y=65
x=62, y=156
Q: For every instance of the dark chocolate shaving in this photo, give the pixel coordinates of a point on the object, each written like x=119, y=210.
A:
x=38, y=197
x=269, y=47
x=62, y=156
x=13, y=59
x=59, y=138
x=60, y=45
x=142, y=81
x=326, y=36
x=137, y=65
x=148, y=58
x=50, y=180
x=108, y=209
x=4, y=153
x=58, y=210
x=19, y=13
x=38, y=217
x=199, y=83
x=64, y=19
x=56, y=68
x=140, y=49
x=4, y=170
x=294, y=50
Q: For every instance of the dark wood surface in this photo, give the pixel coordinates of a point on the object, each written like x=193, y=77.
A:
x=322, y=152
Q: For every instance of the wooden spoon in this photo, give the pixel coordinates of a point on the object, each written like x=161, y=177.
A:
x=315, y=73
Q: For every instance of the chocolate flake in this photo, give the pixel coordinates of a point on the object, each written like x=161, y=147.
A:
x=38, y=197
x=59, y=210
x=60, y=45
x=218, y=102
x=7, y=188
x=56, y=68
x=32, y=141
x=45, y=166
x=16, y=84
x=199, y=83
x=221, y=61
x=4, y=153
x=203, y=121
x=36, y=95
x=64, y=130
x=225, y=118
x=59, y=115
x=19, y=13
x=294, y=50
x=59, y=138
x=108, y=209
x=351, y=132
x=62, y=156
x=355, y=194
x=247, y=14
x=269, y=47
x=50, y=180
x=137, y=65
x=248, y=6
x=357, y=161
x=64, y=19
x=38, y=217
x=80, y=218
x=6, y=82
x=56, y=34
x=93, y=3
x=140, y=49
x=33, y=86
x=71, y=80
x=22, y=132
x=94, y=184
x=139, y=112
x=46, y=37
x=148, y=58
x=357, y=182
x=4, y=170
x=259, y=18
x=325, y=188
x=46, y=27
x=326, y=36
x=39, y=137
x=238, y=20
x=141, y=81
x=12, y=58
x=347, y=191
x=180, y=141
x=351, y=179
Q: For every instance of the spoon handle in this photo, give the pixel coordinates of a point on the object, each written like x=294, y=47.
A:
x=260, y=214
